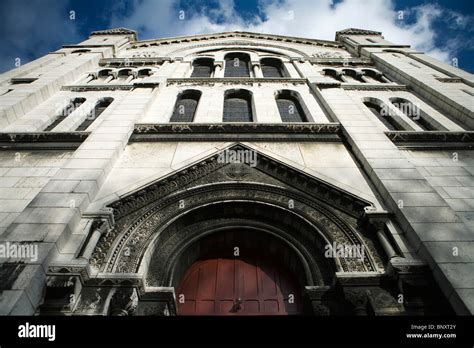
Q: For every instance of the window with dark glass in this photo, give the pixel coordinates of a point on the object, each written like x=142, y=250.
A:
x=383, y=114
x=95, y=113
x=238, y=106
x=290, y=107
x=65, y=112
x=142, y=73
x=373, y=75
x=185, y=107
x=104, y=74
x=417, y=115
x=124, y=74
x=353, y=75
x=237, y=65
x=333, y=73
x=272, y=67
x=203, y=67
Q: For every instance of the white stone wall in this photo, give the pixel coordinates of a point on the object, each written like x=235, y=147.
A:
x=45, y=196
x=211, y=103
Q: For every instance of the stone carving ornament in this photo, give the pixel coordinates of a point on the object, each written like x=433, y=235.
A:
x=141, y=216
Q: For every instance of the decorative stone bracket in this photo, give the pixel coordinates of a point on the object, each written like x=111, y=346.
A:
x=124, y=302
x=378, y=220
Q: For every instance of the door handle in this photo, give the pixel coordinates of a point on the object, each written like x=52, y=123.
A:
x=237, y=305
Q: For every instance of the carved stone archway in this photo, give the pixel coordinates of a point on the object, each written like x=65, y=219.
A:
x=157, y=230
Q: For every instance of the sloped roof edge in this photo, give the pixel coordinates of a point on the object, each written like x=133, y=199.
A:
x=356, y=31
x=244, y=34
x=116, y=31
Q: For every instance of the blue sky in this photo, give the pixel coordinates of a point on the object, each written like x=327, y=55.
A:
x=31, y=28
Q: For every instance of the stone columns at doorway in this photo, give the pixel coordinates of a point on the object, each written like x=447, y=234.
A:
x=124, y=302
x=378, y=220
x=98, y=229
x=158, y=301
x=321, y=300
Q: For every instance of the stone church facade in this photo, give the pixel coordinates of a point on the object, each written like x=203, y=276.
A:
x=236, y=173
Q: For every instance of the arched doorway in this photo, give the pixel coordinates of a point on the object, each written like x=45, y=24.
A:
x=240, y=272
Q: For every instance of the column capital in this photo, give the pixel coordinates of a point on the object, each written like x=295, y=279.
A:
x=124, y=302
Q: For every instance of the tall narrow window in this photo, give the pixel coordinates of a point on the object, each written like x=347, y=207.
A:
x=417, y=115
x=142, y=73
x=384, y=115
x=186, y=105
x=238, y=106
x=237, y=65
x=334, y=74
x=104, y=73
x=352, y=75
x=290, y=108
x=124, y=74
x=374, y=76
x=272, y=67
x=203, y=67
x=95, y=113
x=65, y=112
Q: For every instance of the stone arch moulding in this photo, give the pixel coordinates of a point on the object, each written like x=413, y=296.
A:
x=238, y=46
x=146, y=220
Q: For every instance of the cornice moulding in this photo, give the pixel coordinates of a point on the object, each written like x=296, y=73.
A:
x=328, y=132
x=42, y=140
x=432, y=139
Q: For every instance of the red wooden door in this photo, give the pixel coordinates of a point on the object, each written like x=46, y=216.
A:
x=237, y=287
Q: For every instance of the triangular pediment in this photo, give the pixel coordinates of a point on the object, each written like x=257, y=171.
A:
x=237, y=34
x=241, y=164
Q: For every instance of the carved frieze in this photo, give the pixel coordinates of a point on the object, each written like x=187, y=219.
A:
x=432, y=139
x=328, y=132
x=151, y=207
x=43, y=140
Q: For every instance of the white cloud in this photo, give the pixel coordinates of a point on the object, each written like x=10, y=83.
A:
x=154, y=19
x=306, y=18
x=32, y=28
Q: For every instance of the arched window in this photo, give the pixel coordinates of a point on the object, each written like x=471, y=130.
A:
x=65, y=112
x=290, y=107
x=238, y=106
x=104, y=74
x=142, y=73
x=272, y=67
x=237, y=65
x=334, y=74
x=375, y=76
x=353, y=76
x=186, y=105
x=124, y=74
x=382, y=112
x=99, y=108
x=203, y=67
x=417, y=115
